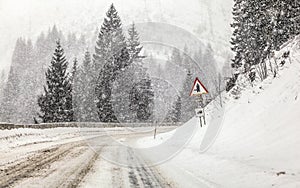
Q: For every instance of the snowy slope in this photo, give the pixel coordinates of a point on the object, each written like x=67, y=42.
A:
x=259, y=138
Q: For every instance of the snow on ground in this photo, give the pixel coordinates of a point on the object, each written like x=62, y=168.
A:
x=14, y=138
x=258, y=145
x=24, y=136
x=151, y=142
x=22, y=142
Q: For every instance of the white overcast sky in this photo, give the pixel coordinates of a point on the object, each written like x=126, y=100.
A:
x=27, y=18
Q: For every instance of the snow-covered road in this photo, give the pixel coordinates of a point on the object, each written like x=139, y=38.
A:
x=78, y=159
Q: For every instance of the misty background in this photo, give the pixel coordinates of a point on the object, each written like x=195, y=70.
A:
x=209, y=20
x=181, y=41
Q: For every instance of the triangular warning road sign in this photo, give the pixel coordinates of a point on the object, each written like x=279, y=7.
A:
x=198, y=88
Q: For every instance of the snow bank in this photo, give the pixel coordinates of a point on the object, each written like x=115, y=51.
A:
x=258, y=145
x=24, y=136
x=151, y=142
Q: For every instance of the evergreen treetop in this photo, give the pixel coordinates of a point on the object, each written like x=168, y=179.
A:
x=56, y=102
x=111, y=39
x=134, y=47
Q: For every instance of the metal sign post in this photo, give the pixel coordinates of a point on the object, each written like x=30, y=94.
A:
x=197, y=90
x=200, y=111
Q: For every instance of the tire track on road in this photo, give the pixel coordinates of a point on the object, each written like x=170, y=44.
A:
x=11, y=174
x=41, y=165
x=76, y=176
x=141, y=175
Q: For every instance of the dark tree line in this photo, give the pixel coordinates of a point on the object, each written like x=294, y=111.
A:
x=25, y=79
x=88, y=89
x=113, y=56
x=260, y=28
x=86, y=94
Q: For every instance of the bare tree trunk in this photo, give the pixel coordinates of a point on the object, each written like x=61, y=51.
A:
x=265, y=69
x=270, y=64
x=219, y=89
x=259, y=71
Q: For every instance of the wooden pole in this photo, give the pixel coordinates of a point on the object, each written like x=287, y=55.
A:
x=200, y=121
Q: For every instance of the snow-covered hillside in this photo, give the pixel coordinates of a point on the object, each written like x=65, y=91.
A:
x=258, y=145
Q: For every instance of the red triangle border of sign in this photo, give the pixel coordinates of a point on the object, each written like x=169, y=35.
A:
x=197, y=79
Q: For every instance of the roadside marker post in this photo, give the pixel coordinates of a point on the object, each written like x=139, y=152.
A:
x=198, y=90
x=155, y=129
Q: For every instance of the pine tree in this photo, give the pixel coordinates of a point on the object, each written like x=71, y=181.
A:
x=12, y=88
x=2, y=83
x=208, y=56
x=295, y=17
x=237, y=40
x=173, y=68
x=71, y=44
x=107, y=77
x=286, y=22
x=142, y=100
x=110, y=40
x=40, y=46
x=209, y=71
x=20, y=91
x=2, y=78
x=56, y=102
x=111, y=58
x=188, y=103
x=43, y=52
x=90, y=109
x=84, y=87
x=28, y=82
x=252, y=36
x=53, y=35
x=74, y=70
x=186, y=62
x=134, y=46
x=176, y=56
x=136, y=71
x=261, y=27
x=174, y=114
x=42, y=56
x=128, y=78
x=26, y=76
x=74, y=80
